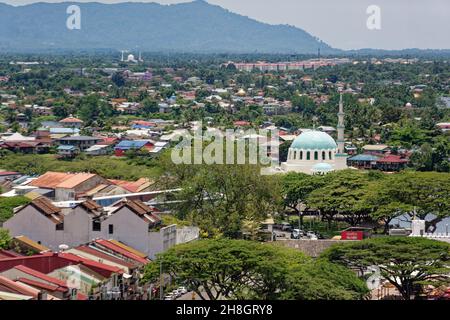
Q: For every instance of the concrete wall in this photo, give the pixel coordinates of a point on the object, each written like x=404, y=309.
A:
x=31, y=223
x=78, y=228
x=161, y=241
x=311, y=248
x=128, y=228
x=63, y=194
x=187, y=234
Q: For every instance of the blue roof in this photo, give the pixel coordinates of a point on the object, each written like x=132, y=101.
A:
x=364, y=157
x=141, y=126
x=67, y=148
x=314, y=140
x=63, y=130
x=131, y=144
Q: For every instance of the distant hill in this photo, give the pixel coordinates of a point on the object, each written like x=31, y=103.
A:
x=188, y=27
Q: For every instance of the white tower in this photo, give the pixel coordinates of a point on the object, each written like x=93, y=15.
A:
x=341, y=127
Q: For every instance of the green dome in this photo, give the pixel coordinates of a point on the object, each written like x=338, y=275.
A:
x=314, y=140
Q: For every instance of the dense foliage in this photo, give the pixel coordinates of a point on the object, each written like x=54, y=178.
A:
x=8, y=204
x=105, y=166
x=358, y=197
x=5, y=239
x=407, y=263
x=237, y=269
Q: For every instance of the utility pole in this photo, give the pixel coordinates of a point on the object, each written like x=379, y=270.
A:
x=161, y=281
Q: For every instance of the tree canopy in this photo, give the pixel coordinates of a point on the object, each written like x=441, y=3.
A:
x=407, y=263
x=8, y=204
x=239, y=269
x=5, y=239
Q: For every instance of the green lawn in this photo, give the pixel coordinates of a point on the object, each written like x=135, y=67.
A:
x=106, y=166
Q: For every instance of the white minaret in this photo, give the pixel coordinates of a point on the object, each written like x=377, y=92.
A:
x=341, y=127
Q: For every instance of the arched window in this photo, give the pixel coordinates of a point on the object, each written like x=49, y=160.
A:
x=316, y=155
x=329, y=155
x=323, y=155
x=308, y=156
x=301, y=155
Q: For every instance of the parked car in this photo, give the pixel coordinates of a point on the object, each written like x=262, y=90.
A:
x=286, y=227
x=297, y=234
x=311, y=235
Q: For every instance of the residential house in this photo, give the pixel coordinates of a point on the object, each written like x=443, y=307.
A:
x=40, y=221
x=42, y=271
x=67, y=186
x=376, y=149
x=99, y=150
x=16, y=290
x=67, y=151
x=126, y=145
x=392, y=162
x=132, y=223
x=9, y=175
x=71, y=122
x=81, y=142
x=363, y=161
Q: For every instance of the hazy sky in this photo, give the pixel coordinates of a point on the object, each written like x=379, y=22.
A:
x=342, y=23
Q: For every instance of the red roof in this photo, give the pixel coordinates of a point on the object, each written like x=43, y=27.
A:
x=41, y=285
x=241, y=123
x=122, y=251
x=8, y=173
x=5, y=254
x=15, y=287
x=43, y=276
x=71, y=120
x=108, y=141
x=144, y=123
x=48, y=262
x=103, y=269
x=104, y=256
x=393, y=159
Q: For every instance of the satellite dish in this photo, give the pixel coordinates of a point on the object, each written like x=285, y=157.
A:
x=63, y=247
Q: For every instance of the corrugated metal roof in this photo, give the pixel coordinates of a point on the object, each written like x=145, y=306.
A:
x=131, y=144
x=109, y=245
x=52, y=180
x=364, y=157
x=30, y=243
x=68, y=148
x=132, y=250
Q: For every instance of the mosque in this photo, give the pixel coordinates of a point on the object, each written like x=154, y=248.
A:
x=316, y=152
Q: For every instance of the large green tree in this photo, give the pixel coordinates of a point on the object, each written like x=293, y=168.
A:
x=343, y=194
x=423, y=193
x=407, y=263
x=239, y=269
x=296, y=188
